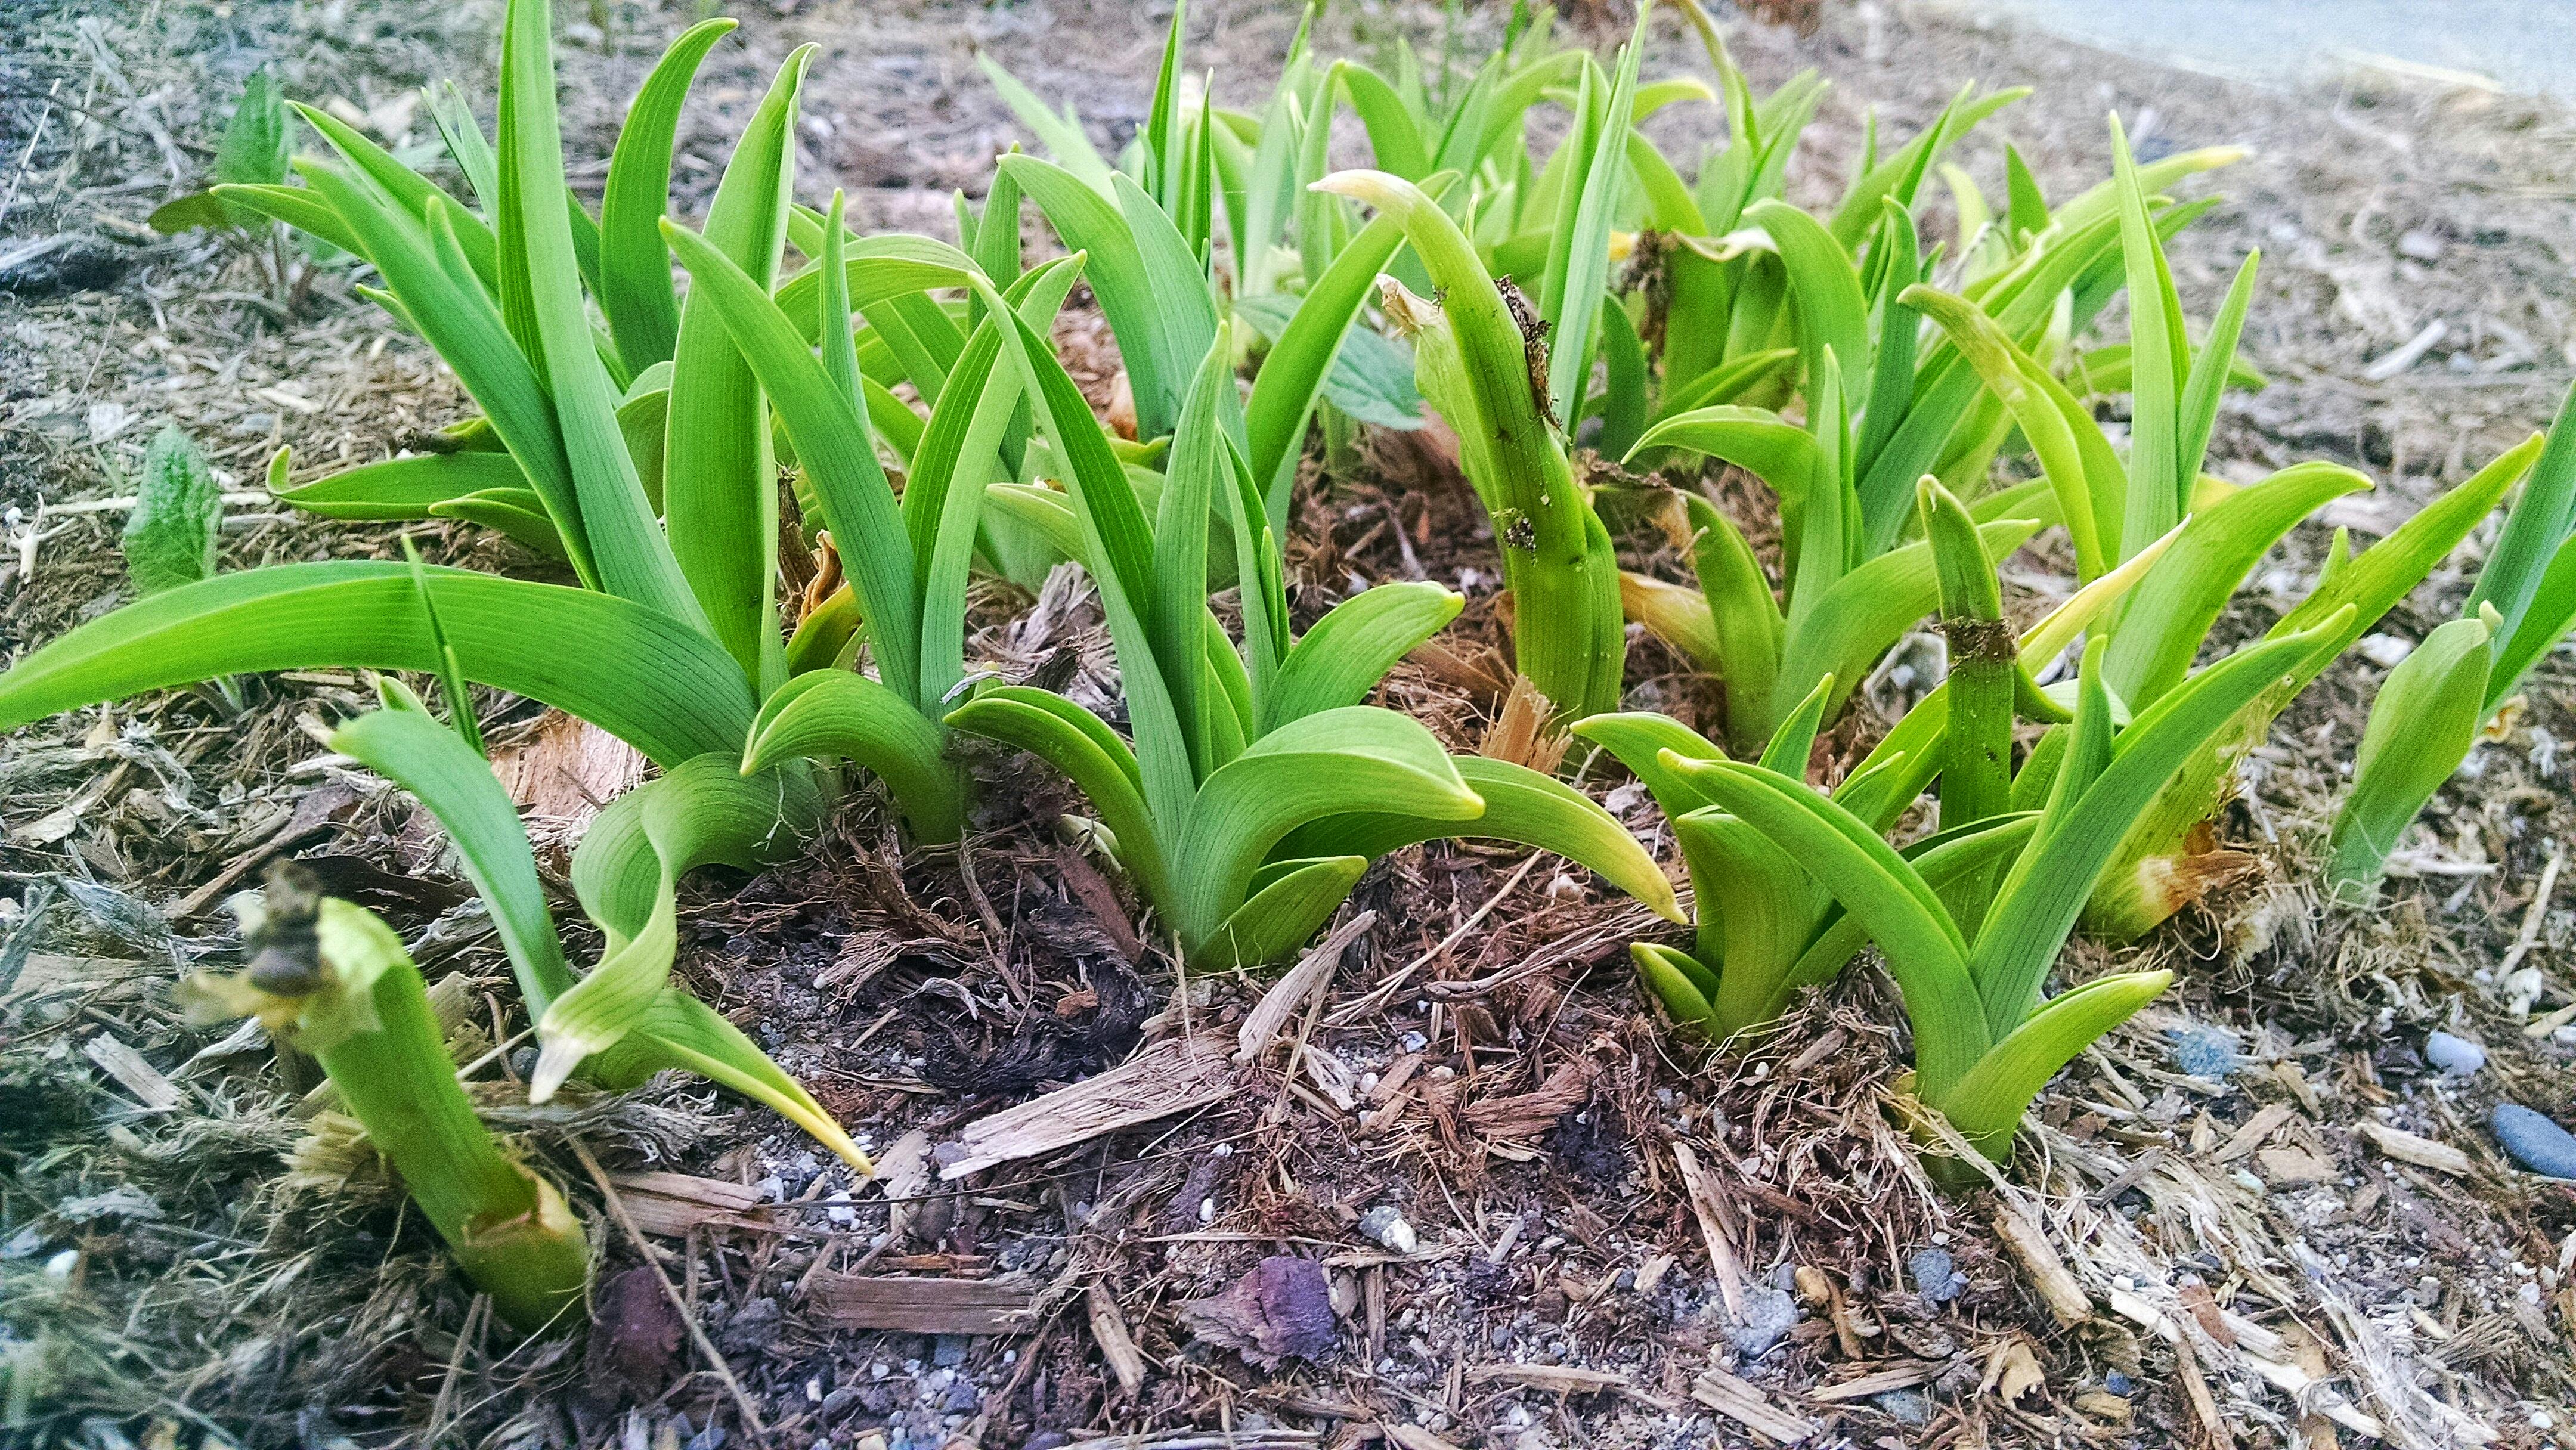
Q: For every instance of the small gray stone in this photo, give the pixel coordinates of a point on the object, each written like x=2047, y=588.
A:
x=1911, y=1407
x=2455, y=1056
x=1936, y=1275
x=1385, y=1223
x=2201, y=1051
x=949, y=1350
x=1769, y=1314
x=2534, y=1141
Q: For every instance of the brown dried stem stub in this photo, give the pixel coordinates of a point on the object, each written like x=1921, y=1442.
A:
x=1980, y=639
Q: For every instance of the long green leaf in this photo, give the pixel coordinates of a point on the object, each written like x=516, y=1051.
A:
x=642, y=308
x=834, y=714
x=720, y=478
x=639, y=675
x=2421, y=727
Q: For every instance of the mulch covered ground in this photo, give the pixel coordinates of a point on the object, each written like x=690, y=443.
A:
x=1447, y=1182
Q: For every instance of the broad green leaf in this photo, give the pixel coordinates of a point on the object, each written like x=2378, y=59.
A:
x=1901, y=912
x=627, y=871
x=833, y=446
x=169, y=537
x=516, y=513
x=457, y=785
x=635, y=292
x=2535, y=531
x=642, y=676
x=398, y=488
x=1161, y=335
x=1664, y=972
x=835, y=714
x=1074, y=741
x=1639, y=740
x=541, y=300
x=1350, y=650
x=1869, y=610
x=2421, y=727
x=1283, y=914
x=1579, y=259
x=1303, y=771
x=1987, y=1104
x=1825, y=288
x=719, y=476
x=2038, y=902
x=2168, y=616
x=1521, y=806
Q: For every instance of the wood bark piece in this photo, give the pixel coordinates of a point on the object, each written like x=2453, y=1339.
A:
x=1878, y=1382
x=1748, y=1406
x=2058, y=1288
x=565, y=773
x=1169, y=1077
x=1262, y=1024
x=1716, y=1226
x=1109, y=1330
x=671, y=1204
x=2406, y=1147
x=2257, y=1130
x=132, y=1073
x=923, y=1306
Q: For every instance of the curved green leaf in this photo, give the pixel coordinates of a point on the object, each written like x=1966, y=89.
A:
x=1350, y=649
x=834, y=714
x=2421, y=727
x=637, y=674
x=635, y=293
x=1987, y=1104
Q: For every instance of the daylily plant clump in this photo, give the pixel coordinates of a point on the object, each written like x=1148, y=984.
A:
x=1598, y=323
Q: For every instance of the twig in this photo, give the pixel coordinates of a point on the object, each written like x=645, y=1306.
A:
x=28, y=159
x=697, y=1333
x=474, y=1316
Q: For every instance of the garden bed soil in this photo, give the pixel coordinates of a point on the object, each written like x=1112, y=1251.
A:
x=1451, y=1185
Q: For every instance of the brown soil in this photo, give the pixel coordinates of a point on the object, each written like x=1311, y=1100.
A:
x=1479, y=1064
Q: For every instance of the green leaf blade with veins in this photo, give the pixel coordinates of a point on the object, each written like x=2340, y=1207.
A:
x=636, y=295
x=170, y=535
x=720, y=477
x=644, y=677
x=1987, y=1105
x=2420, y=728
x=835, y=714
x=1303, y=771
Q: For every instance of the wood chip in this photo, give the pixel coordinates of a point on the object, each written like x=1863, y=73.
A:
x=2058, y=1289
x=2257, y=1130
x=2204, y=1406
x=1716, y=1227
x=1408, y=1436
x=671, y=1204
x=1262, y=1024
x=1749, y=1407
x=1878, y=1382
x=1171, y=1076
x=2294, y=1167
x=2405, y=1147
x=1558, y=1379
x=132, y=1073
x=1109, y=1330
x=1526, y=1115
x=565, y=773
x=923, y=1306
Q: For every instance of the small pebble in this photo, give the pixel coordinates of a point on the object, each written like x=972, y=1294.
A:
x=2201, y=1051
x=1386, y=1224
x=2456, y=1056
x=2533, y=1141
x=1911, y=1407
x=949, y=1350
x=2118, y=1384
x=1936, y=1275
x=1769, y=1315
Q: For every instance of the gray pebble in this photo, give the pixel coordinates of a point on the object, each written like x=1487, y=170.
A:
x=1385, y=1223
x=1912, y=1407
x=2455, y=1056
x=2534, y=1141
x=1936, y=1275
x=2201, y=1051
x=1769, y=1314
